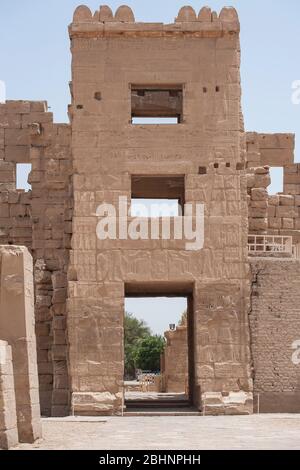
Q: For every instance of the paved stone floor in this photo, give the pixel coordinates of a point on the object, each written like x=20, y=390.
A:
x=232, y=432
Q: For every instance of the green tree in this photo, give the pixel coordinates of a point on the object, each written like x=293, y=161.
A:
x=134, y=330
x=147, y=352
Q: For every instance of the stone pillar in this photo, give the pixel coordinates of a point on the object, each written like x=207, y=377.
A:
x=176, y=376
x=95, y=327
x=17, y=328
x=223, y=358
x=8, y=418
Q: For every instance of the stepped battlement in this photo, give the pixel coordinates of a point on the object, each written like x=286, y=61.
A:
x=206, y=23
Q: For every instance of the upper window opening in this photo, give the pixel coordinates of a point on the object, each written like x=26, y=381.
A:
x=156, y=105
x=22, y=174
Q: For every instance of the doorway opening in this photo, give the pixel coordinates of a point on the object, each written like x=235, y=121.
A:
x=158, y=348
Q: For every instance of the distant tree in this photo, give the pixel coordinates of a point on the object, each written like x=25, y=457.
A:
x=134, y=330
x=147, y=352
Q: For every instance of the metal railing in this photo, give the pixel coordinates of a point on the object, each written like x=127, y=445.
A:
x=272, y=244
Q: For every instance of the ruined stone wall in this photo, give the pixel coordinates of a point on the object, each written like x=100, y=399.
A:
x=277, y=214
x=51, y=205
x=15, y=220
x=291, y=179
x=109, y=54
x=284, y=209
x=258, y=180
x=40, y=219
x=274, y=150
x=15, y=117
x=175, y=375
x=275, y=334
x=284, y=214
x=15, y=213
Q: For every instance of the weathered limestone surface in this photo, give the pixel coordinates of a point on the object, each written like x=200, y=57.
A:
x=275, y=150
x=8, y=417
x=15, y=217
x=258, y=180
x=15, y=214
x=284, y=215
x=51, y=211
x=40, y=219
x=277, y=214
x=275, y=334
x=17, y=328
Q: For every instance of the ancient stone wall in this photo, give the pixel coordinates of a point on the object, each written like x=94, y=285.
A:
x=284, y=214
x=15, y=220
x=273, y=150
x=41, y=220
x=8, y=417
x=15, y=214
x=291, y=179
x=175, y=376
x=258, y=180
x=277, y=214
x=275, y=334
x=17, y=327
x=51, y=212
x=15, y=116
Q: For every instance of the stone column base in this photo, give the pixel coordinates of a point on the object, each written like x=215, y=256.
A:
x=233, y=403
x=96, y=403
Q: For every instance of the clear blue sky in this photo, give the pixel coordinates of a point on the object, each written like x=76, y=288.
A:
x=35, y=56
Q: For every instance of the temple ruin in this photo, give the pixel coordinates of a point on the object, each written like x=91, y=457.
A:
x=243, y=321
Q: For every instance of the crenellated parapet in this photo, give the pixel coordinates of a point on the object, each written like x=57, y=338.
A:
x=103, y=22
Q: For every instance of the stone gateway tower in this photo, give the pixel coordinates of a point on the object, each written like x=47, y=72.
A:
x=156, y=114
x=189, y=71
